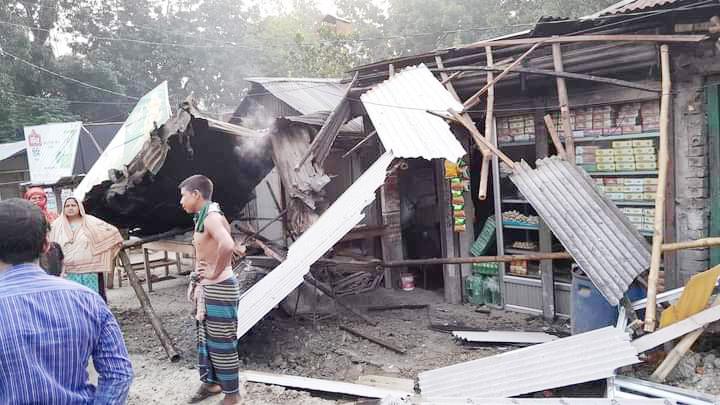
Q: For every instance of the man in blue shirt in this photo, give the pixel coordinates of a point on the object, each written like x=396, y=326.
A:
x=50, y=327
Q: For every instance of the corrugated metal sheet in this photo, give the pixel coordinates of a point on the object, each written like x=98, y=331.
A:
x=505, y=337
x=305, y=95
x=8, y=150
x=398, y=109
x=590, y=227
x=683, y=396
x=636, y=5
x=545, y=401
x=333, y=224
x=317, y=384
x=585, y=357
x=677, y=329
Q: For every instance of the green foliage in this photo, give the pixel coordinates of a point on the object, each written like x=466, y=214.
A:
x=205, y=47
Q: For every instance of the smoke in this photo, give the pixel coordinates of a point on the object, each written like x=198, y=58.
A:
x=257, y=117
x=248, y=147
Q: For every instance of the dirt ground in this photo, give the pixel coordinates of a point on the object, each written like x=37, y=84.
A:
x=281, y=344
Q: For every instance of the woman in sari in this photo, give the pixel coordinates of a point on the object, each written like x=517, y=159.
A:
x=37, y=196
x=88, y=243
x=50, y=261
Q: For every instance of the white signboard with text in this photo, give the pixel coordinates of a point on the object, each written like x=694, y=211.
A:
x=51, y=150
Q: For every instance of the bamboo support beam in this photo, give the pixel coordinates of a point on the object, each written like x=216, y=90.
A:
x=489, y=129
x=467, y=123
x=663, y=158
x=592, y=38
x=157, y=325
x=552, y=130
x=475, y=98
x=693, y=244
x=564, y=104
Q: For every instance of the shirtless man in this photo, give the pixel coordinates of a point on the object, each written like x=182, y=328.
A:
x=214, y=290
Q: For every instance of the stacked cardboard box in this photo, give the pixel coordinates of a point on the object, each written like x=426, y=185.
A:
x=631, y=155
x=516, y=128
x=628, y=189
x=642, y=218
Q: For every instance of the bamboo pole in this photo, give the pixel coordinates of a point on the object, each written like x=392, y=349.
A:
x=489, y=132
x=475, y=98
x=693, y=244
x=677, y=353
x=552, y=130
x=479, y=259
x=660, y=197
x=157, y=325
x=564, y=104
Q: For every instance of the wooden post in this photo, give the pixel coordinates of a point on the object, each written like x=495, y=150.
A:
x=544, y=234
x=392, y=241
x=489, y=115
x=148, y=270
x=564, y=104
x=552, y=130
x=663, y=159
x=451, y=272
x=157, y=325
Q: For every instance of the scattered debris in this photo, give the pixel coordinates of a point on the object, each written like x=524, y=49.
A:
x=373, y=339
x=395, y=307
x=505, y=337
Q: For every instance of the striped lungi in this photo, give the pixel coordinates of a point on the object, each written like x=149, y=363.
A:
x=218, y=360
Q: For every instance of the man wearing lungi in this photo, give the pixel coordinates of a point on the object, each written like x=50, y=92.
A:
x=214, y=291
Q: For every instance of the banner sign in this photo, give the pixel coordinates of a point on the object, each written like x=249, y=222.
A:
x=151, y=110
x=51, y=151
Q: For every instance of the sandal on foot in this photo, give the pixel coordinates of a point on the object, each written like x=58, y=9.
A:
x=202, y=394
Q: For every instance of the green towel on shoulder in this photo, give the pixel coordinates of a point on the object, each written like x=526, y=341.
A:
x=200, y=217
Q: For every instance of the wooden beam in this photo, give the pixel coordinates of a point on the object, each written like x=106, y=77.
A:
x=565, y=75
x=475, y=98
x=467, y=123
x=145, y=304
x=564, y=104
x=592, y=38
x=552, y=130
x=663, y=159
